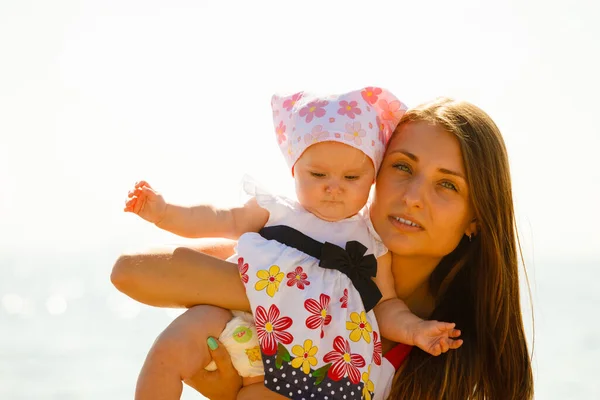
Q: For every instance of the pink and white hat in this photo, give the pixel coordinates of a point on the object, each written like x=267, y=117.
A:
x=363, y=119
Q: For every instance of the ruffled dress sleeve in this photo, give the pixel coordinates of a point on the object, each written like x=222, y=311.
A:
x=379, y=248
x=277, y=206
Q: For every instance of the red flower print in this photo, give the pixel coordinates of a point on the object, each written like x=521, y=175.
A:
x=243, y=268
x=392, y=111
x=344, y=299
x=376, y=349
x=349, y=109
x=271, y=329
x=319, y=317
x=313, y=109
x=344, y=362
x=280, y=131
x=297, y=277
x=289, y=103
x=370, y=94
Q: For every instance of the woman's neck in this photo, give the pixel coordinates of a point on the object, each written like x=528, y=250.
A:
x=411, y=279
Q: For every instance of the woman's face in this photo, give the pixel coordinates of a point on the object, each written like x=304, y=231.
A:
x=421, y=205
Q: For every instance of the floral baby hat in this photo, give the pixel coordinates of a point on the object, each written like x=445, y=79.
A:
x=363, y=119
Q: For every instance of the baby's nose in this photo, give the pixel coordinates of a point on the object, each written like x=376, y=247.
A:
x=333, y=188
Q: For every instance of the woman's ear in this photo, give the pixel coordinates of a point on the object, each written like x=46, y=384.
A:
x=472, y=229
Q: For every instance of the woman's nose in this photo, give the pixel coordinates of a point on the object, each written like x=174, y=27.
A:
x=414, y=192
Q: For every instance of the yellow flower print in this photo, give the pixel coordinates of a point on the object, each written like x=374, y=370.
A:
x=269, y=279
x=253, y=354
x=305, y=356
x=359, y=326
x=369, y=386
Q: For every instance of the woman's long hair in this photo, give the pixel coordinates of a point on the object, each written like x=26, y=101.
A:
x=477, y=285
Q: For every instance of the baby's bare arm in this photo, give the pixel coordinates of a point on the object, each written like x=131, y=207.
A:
x=395, y=320
x=208, y=221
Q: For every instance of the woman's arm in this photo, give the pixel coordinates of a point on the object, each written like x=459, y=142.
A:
x=182, y=277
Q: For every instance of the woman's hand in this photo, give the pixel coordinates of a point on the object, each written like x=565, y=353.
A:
x=222, y=384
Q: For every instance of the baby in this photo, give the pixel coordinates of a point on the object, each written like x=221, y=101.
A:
x=315, y=272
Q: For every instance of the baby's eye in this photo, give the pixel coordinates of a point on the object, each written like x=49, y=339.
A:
x=317, y=174
x=449, y=185
x=352, y=177
x=402, y=167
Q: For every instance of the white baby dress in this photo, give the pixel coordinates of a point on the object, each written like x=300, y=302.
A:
x=317, y=332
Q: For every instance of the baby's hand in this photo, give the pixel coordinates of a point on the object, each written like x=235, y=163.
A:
x=146, y=202
x=436, y=337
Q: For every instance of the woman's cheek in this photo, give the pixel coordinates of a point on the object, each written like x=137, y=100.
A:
x=447, y=226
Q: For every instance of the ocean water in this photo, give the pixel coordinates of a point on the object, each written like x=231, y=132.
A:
x=66, y=333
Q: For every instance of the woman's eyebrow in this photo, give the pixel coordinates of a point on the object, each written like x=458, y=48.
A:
x=406, y=153
x=450, y=172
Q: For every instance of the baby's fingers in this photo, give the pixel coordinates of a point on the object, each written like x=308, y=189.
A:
x=134, y=192
x=147, y=193
x=139, y=204
x=454, y=333
x=444, y=345
x=455, y=344
x=141, y=184
x=134, y=205
x=435, y=350
x=446, y=326
x=129, y=204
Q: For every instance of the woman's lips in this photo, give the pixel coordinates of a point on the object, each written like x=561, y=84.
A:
x=405, y=223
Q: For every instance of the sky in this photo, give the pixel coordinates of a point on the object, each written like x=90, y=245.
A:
x=96, y=95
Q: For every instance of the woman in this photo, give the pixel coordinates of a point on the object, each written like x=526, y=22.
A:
x=446, y=170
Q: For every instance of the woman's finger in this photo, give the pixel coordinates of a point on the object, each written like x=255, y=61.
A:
x=220, y=356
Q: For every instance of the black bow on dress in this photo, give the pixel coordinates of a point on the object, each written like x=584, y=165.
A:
x=359, y=268
x=350, y=261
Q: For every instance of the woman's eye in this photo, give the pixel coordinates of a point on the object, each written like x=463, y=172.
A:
x=402, y=167
x=352, y=177
x=449, y=185
x=317, y=174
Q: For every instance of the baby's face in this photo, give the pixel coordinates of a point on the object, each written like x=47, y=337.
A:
x=333, y=180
